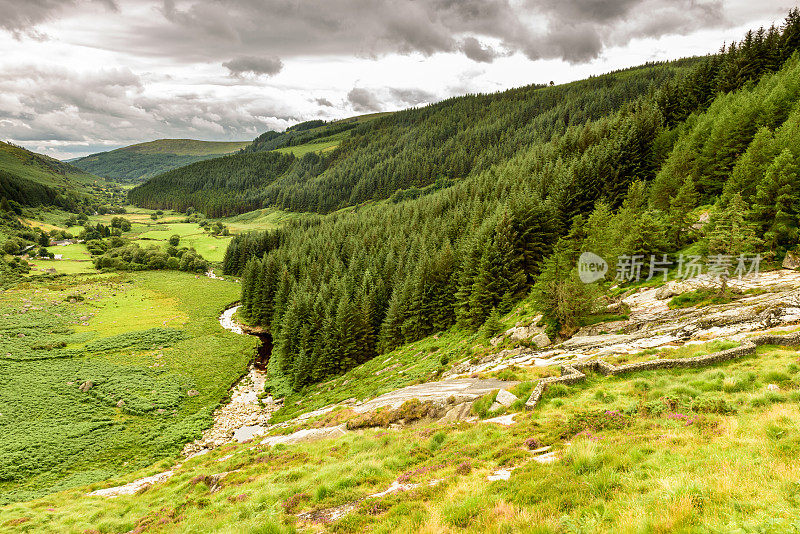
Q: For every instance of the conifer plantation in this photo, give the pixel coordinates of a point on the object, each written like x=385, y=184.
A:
x=505, y=191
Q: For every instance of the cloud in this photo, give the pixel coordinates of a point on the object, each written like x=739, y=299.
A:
x=58, y=108
x=324, y=102
x=218, y=30
x=572, y=30
x=473, y=49
x=363, y=100
x=22, y=17
x=411, y=97
x=269, y=66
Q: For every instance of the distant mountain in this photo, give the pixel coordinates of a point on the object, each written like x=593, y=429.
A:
x=34, y=179
x=137, y=163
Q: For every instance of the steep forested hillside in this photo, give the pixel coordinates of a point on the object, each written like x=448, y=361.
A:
x=614, y=165
x=137, y=163
x=415, y=148
x=309, y=132
x=31, y=179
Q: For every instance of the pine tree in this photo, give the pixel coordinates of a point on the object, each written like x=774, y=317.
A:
x=679, y=223
x=777, y=202
x=728, y=231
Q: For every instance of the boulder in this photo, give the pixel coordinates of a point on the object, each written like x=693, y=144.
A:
x=505, y=398
x=120, y=404
x=791, y=261
x=541, y=340
x=192, y=393
x=86, y=386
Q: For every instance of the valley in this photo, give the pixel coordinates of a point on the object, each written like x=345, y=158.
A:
x=554, y=308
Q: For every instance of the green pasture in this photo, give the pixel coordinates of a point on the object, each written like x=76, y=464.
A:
x=143, y=339
x=263, y=219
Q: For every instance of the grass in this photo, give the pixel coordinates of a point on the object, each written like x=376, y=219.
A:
x=317, y=145
x=209, y=246
x=667, y=451
x=700, y=298
x=186, y=147
x=685, y=351
x=143, y=340
x=263, y=219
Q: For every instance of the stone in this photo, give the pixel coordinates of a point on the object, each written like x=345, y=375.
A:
x=773, y=387
x=505, y=398
x=120, y=404
x=86, y=386
x=192, y=393
x=541, y=340
x=791, y=261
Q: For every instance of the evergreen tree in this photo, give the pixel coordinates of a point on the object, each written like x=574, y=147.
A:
x=777, y=202
x=728, y=231
x=679, y=223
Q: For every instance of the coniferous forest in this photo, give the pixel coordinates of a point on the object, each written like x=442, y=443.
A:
x=494, y=196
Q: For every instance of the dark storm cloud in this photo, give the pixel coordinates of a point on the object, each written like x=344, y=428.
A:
x=268, y=66
x=363, y=100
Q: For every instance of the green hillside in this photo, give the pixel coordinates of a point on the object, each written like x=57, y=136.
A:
x=338, y=290
x=32, y=179
x=137, y=163
x=442, y=143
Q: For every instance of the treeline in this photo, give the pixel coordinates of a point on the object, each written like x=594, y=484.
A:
x=334, y=291
x=450, y=140
x=223, y=186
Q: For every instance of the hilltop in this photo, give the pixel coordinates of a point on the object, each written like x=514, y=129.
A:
x=32, y=179
x=137, y=163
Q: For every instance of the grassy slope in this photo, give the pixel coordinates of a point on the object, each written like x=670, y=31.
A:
x=52, y=436
x=43, y=169
x=185, y=147
x=636, y=458
x=136, y=163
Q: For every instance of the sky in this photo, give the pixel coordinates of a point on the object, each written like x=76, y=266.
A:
x=84, y=76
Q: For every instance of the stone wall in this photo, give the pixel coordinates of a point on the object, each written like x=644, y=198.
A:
x=573, y=373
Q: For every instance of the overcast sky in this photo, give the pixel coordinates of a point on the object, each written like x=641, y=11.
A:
x=82, y=76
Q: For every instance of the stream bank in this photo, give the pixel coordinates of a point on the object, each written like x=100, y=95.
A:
x=245, y=415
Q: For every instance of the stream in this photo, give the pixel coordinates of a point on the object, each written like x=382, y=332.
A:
x=245, y=416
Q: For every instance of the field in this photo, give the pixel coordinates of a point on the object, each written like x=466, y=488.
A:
x=693, y=450
x=263, y=219
x=318, y=145
x=209, y=246
x=143, y=341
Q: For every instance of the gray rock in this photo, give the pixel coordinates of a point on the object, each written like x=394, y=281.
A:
x=505, y=398
x=192, y=393
x=86, y=386
x=541, y=340
x=791, y=261
x=120, y=404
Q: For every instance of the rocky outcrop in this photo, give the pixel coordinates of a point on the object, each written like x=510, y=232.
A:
x=525, y=332
x=791, y=261
x=573, y=373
